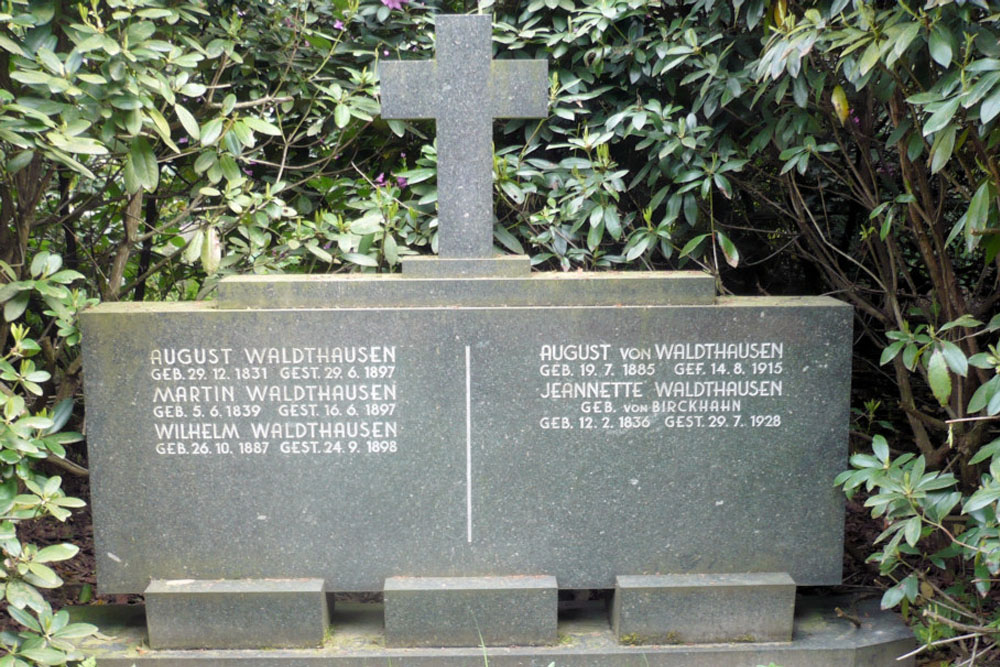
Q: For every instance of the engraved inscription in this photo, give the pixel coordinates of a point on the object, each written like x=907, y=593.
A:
x=344, y=400
x=680, y=385
x=259, y=401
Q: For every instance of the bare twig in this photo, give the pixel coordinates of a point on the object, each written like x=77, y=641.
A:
x=68, y=466
x=935, y=644
x=255, y=103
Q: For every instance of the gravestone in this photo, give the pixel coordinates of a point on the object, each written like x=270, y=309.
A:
x=468, y=438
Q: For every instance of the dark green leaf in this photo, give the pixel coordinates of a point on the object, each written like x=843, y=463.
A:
x=869, y=58
x=19, y=161
x=981, y=360
x=204, y=162
x=262, y=126
x=905, y=37
x=962, y=321
x=940, y=118
x=982, y=397
x=941, y=149
x=144, y=163
x=986, y=452
x=341, y=115
x=892, y=597
x=13, y=308
x=938, y=376
x=693, y=244
x=210, y=131
x=45, y=656
x=990, y=107
x=24, y=618
x=361, y=260
x=57, y=552
x=508, y=240
x=690, y=209
x=890, y=352
x=953, y=354
x=728, y=250
x=76, y=631
x=595, y=234
x=911, y=531
x=612, y=222
x=188, y=122
x=939, y=44
x=66, y=276
x=981, y=498
x=230, y=169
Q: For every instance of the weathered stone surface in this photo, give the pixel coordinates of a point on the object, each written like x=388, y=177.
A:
x=470, y=611
x=678, y=288
x=471, y=441
x=236, y=614
x=463, y=89
x=501, y=266
x=703, y=608
x=821, y=639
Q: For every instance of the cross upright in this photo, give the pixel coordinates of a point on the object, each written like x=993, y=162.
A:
x=463, y=89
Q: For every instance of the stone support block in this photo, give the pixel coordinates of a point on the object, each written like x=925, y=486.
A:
x=470, y=611
x=236, y=614
x=703, y=608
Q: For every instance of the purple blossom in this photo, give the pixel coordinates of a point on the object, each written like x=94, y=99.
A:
x=380, y=180
x=394, y=4
x=401, y=182
x=338, y=25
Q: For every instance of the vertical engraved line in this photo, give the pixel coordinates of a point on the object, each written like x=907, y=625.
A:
x=468, y=444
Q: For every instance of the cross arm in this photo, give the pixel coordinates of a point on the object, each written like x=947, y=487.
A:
x=520, y=88
x=408, y=88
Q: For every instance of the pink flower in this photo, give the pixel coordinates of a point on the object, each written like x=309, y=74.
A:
x=394, y=4
x=401, y=182
x=338, y=25
x=380, y=180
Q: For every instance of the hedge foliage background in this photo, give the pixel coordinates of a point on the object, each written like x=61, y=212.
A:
x=844, y=147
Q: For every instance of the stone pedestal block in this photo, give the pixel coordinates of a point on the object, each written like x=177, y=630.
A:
x=501, y=266
x=467, y=440
x=236, y=614
x=703, y=608
x=470, y=611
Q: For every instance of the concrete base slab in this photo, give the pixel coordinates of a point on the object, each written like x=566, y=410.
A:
x=470, y=611
x=703, y=608
x=236, y=614
x=820, y=639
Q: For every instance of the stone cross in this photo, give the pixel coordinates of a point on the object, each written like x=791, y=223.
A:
x=464, y=89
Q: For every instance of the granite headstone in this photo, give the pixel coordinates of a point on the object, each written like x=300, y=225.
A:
x=467, y=425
